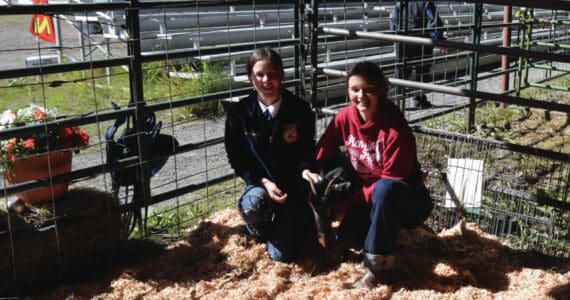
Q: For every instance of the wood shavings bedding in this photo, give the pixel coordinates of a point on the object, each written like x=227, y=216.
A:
x=217, y=261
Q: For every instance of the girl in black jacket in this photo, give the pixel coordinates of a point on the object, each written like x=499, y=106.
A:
x=269, y=141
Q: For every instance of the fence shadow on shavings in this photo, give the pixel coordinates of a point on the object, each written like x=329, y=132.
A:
x=218, y=261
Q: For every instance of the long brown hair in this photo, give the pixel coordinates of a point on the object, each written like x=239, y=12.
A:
x=265, y=53
x=372, y=73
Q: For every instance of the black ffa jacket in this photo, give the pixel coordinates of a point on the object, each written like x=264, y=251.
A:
x=277, y=151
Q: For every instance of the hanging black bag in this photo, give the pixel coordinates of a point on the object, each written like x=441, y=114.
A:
x=158, y=145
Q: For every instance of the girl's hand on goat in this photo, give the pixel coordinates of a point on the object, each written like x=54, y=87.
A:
x=311, y=176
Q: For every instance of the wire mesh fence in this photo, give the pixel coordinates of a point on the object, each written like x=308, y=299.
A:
x=184, y=63
x=512, y=192
x=161, y=76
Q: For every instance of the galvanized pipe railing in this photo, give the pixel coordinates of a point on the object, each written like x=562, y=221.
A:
x=559, y=156
x=448, y=44
x=550, y=4
x=67, y=8
x=464, y=92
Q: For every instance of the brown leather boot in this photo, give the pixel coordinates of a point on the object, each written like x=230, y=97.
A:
x=379, y=268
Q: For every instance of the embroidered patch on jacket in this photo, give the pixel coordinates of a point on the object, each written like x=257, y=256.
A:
x=290, y=133
x=253, y=133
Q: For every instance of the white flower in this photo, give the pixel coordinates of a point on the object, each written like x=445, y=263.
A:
x=52, y=113
x=6, y=119
x=28, y=114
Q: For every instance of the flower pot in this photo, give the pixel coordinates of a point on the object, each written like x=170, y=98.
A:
x=38, y=167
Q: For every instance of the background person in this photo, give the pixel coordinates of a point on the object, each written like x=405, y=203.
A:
x=269, y=139
x=422, y=20
x=381, y=149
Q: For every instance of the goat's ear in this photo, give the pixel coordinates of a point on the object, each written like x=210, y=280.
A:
x=330, y=186
x=336, y=172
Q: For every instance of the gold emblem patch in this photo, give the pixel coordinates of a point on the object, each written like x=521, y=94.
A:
x=290, y=133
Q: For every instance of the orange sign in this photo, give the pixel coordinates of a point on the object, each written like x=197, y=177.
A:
x=42, y=25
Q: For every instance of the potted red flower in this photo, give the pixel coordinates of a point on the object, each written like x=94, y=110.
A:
x=40, y=155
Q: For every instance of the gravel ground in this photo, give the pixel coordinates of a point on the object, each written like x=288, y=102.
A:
x=191, y=167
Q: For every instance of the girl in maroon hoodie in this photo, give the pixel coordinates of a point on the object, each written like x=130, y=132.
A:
x=381, y=148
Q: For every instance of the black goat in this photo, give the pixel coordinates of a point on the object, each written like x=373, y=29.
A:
x=324, y=200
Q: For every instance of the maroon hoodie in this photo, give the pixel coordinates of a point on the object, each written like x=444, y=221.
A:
x=383, y=147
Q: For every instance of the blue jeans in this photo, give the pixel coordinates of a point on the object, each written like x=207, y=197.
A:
x=284, y=227
x=395, y=205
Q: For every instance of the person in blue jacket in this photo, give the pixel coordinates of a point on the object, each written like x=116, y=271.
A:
x=424, y=21
x=269, y=140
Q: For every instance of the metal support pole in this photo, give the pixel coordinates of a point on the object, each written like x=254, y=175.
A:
x=474, y=63
x=525, y=44
x=507, y=18
x=528, y=46
x=82, y=26
x=142, y=190
x=522, y=41
x=298, y=36
x=402, y=62
x=109, y=55
x=314, y=18
x=81, y=41
x=57, y=31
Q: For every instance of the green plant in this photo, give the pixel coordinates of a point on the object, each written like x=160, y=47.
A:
x=154, y=72
x=210, y=80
